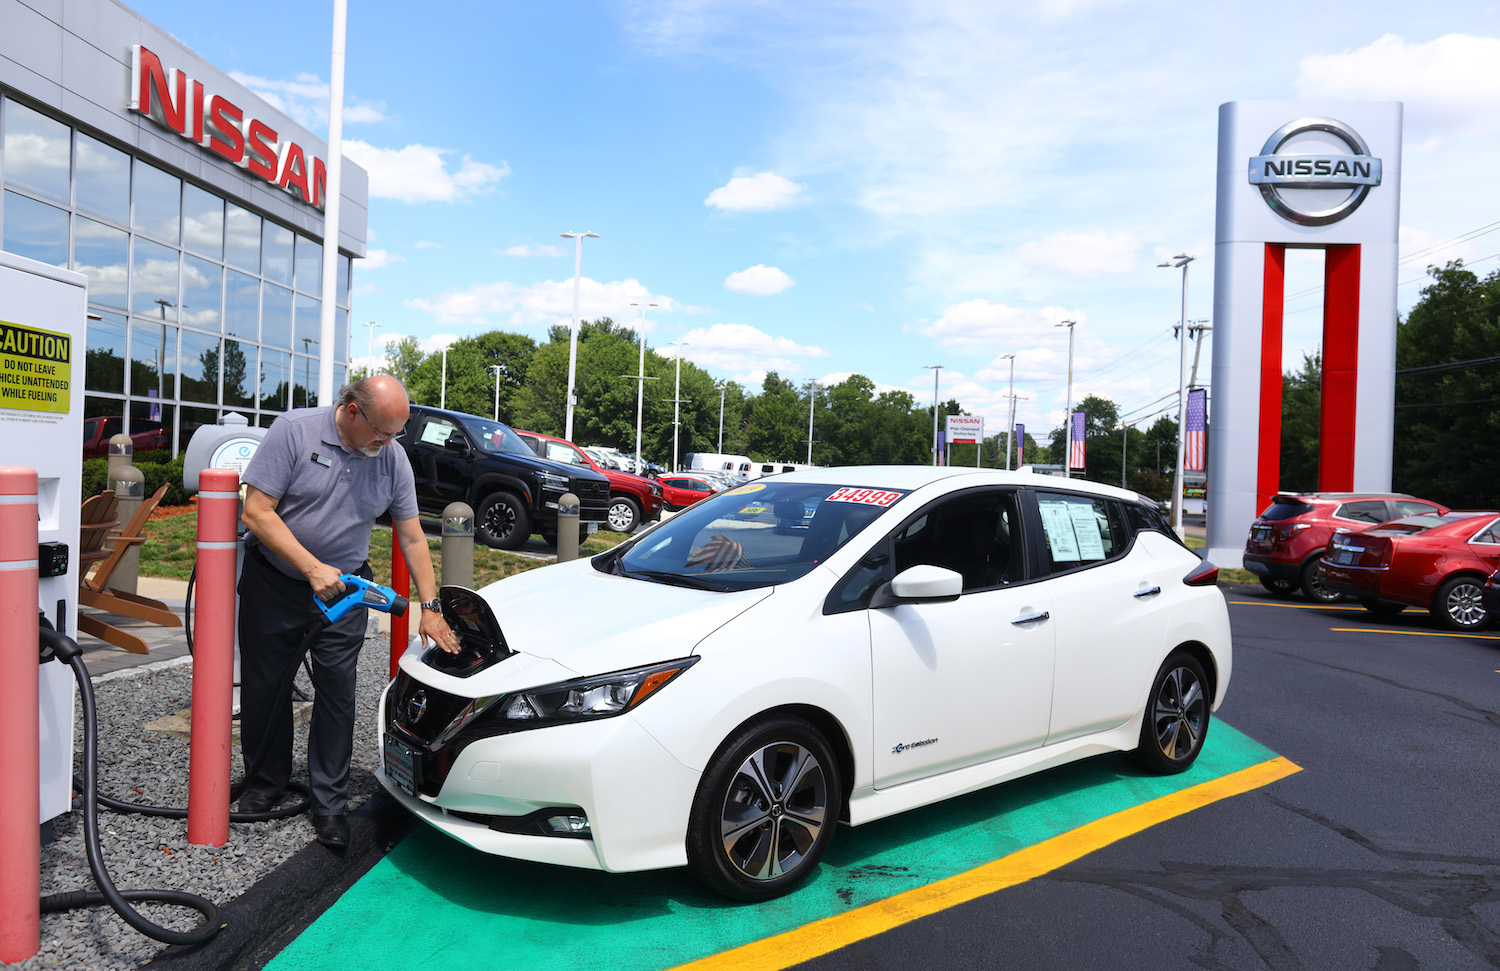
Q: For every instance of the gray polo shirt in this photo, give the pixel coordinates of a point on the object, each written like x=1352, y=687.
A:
x=328, y=495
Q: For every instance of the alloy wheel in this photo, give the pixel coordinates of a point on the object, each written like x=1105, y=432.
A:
x=1465, y=604
x=1178, y=714
x=774, y=810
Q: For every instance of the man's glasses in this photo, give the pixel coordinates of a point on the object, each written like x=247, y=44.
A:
x=378, y=436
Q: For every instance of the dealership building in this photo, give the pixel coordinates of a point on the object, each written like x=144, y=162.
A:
x=193, y=207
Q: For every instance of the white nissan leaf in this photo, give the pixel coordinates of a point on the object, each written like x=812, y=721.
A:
x=829, y=646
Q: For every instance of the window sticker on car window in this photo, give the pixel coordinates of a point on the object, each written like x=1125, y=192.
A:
x=745, y=489
x=1061, y=539
x=1086, y=527
x=868, y=497
x=436, y=432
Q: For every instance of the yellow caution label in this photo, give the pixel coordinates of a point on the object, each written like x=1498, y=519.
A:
x=36, y=368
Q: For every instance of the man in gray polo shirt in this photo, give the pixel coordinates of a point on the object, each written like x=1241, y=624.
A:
x=313, y=490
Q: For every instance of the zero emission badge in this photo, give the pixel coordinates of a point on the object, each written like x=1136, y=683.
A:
x=36, y=368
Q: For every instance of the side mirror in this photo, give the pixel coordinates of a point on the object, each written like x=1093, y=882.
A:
x=922, y=583
x=456, y=443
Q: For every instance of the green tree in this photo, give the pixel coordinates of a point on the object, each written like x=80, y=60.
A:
x=1301, y=398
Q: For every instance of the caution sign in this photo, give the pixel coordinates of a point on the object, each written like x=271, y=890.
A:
x=36, y=368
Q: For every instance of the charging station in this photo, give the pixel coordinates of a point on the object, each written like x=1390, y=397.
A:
x=43, y=320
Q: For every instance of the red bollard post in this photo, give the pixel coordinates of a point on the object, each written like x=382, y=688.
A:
x=213, y=659
x=20, y=758
x=401, y=583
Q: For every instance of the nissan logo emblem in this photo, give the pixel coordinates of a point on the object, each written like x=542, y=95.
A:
x=416, y=707
x=1282, y=177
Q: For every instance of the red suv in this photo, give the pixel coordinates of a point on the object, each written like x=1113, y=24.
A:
x=1287, y=540
x=144, y=435
x=633, y=499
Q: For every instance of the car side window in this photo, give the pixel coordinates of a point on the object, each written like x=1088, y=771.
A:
x=436, y=431
x=974, y=534
x=1079, y=530
x=1490, y=534
x=1408, y=507
x=1364, y=511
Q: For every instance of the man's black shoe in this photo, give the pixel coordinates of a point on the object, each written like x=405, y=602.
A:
x=258, y=801
x=332, y=830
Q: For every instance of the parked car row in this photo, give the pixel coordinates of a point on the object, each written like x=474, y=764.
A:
x=1384, y=551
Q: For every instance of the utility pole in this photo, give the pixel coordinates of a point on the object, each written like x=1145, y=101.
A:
x=677, y=398
x=640, y=387
x=934, y=368
x=1180, y=260
x=1068, y=405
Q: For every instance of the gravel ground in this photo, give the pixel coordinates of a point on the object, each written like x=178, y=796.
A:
x=145, y=852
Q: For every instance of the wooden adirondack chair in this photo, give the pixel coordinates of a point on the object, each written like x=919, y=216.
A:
x=95, y=519
x=94, y=589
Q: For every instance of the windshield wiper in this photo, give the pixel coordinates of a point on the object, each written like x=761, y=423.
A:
x=676, y=579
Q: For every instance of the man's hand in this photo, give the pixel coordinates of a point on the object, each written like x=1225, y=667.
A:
x=435, y=627
x=325, y=581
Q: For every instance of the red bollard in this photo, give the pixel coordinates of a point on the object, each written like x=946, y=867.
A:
x=401, y=583
x=213, y=659
x=20, y=759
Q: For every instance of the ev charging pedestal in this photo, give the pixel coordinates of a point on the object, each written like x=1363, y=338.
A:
x=230, y=444
x=43, y=321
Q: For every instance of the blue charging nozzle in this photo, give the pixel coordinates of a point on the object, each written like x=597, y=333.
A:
x=359, y=592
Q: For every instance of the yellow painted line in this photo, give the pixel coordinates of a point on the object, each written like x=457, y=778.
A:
x=831, y=933
x=1414, y=633
x=1273, y=603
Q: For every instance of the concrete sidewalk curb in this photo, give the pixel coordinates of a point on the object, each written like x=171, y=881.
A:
x=270, y=915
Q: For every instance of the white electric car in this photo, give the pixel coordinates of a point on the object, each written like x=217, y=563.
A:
x=835, y=645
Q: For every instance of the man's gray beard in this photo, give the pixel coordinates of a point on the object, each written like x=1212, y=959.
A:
x=370, y=451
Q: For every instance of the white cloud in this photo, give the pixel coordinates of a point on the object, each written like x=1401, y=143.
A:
x=538, y=305
x=736, y=347
x=376, y=258
x=304, y=99
x=755, y=192
x=979, y=322
x=426, y=244
x=758, y=281
x=1082, y=254
x=529, y=249
x=421, y=173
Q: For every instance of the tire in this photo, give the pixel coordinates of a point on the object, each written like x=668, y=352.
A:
x=745, y=839
x=1382, y=608
x=503, y=521
x=624, y=514
x=1278, y=587
x=1176, y=718
x=1312, y=586
x=1459, y=604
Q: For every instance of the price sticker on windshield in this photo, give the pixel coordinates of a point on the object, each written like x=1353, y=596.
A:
x=868, y=497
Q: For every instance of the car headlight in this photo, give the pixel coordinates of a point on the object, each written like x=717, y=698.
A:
x=602, y=696
x=553, y=482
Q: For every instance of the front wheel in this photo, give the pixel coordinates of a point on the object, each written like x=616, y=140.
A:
x=503, y=521
x=1313, y=586
x=624, y=514
x=1459, y=604
x=1176, y=720
x=765, y=811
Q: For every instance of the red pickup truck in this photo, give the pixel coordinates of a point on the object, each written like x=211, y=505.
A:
x=633, y=499
x=144, y=435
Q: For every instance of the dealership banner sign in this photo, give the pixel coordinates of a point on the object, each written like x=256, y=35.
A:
x=965, y=429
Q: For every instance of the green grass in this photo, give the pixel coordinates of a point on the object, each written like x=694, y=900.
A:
x=1225, y=575
x=170, y=552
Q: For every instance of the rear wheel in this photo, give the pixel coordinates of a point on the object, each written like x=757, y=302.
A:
x=765, y=811
x=503, y=521
x=1314, y=588
x=624, y=514
x=1277, y=586
x=1176, y=720
x=1459, y=604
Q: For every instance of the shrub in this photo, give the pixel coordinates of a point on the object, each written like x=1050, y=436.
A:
x=169, y=471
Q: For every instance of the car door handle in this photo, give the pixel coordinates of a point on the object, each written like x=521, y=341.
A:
x=1148, y=592
x=1031, y=618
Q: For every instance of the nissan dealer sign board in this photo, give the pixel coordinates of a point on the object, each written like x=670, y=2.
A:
x=965, y=429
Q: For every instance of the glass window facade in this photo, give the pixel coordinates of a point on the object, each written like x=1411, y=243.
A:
x=197, y=304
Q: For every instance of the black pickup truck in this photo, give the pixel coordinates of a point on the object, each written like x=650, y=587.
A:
x=465, y=458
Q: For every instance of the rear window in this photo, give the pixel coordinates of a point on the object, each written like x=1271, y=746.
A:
x=1284, y=508
x=1417, y=524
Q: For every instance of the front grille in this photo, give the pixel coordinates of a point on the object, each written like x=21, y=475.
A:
x=438, y=709
x=593, y=499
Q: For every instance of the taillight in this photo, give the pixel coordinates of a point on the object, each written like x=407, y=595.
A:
x=1204, y=575
x=1287, y=532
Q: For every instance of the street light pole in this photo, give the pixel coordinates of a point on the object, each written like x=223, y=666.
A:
x=722, y=388
x=640, y=383
x=443, y=395
x=1068, y=405
x=1010, y=433
x=676, y=398
x=370, y=347
x=1180, y=260
x=495, y=370
x=573, y=336
x=1124, y=443
x=812, y=397
x=934, y=368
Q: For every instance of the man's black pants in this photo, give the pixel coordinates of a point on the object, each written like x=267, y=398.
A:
x=276, y=612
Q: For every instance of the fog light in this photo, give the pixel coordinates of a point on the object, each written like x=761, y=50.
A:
x=569, y=825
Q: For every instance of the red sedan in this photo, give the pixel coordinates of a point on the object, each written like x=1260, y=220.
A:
x=1435, y=561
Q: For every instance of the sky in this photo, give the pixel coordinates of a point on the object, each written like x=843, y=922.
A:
x=853, y=186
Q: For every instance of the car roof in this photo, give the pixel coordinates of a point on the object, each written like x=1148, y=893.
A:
x=1340, y=496
x=916, y=476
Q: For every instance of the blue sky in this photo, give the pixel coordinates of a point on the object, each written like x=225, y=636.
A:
x=836, y=187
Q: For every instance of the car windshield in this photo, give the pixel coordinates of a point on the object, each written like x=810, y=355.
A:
x=495, y=437
x=754, y=536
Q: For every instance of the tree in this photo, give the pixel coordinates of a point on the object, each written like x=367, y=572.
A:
x=1301, y=406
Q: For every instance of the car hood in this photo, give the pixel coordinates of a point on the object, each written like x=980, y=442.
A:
x=571, y=620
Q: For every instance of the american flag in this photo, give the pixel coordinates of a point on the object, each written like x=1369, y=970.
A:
x=718, y=554
x=1020, y=441
x=1196, y=447
x=1075, y=442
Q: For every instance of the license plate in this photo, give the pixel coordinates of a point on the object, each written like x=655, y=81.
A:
x=1343, y=557
x=401, y=765
x=1261, y=533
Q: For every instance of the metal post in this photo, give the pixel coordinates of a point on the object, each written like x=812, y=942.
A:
x=458, y=545
x=640, y=386
x=121, y=451
x=443, y=394
x=213, y=658
x=1180, y=260
x=722, y=389
x=934, y=368
x=573, y=338
x=129, y=485
x=401, y=583
x=1124, y=444
x=567, y=528
x=20, y=756
x=1067, y=463
x=812, y=397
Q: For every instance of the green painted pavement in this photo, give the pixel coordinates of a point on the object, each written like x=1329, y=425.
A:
x=433, y=902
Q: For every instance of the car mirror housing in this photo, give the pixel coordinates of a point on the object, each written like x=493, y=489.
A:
x=922, y=583
x=455, y=443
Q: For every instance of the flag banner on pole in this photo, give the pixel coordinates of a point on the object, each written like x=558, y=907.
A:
x=1075, y=441
x=1196, y=446
x=1020, y=440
